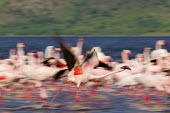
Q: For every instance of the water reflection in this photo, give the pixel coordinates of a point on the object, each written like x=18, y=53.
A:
x=108, y=98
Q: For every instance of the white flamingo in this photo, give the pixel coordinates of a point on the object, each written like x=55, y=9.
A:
x=101, y=56
x=159, y=52
x=21, y=52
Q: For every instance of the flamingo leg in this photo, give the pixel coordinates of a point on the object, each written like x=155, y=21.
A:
x=1, y=98
x=94, y=90
x=137, y=93
x=42, y=92
x=126, y=89
x=78, y=100
x=147, y=96
x=46, y=105
x=158, y=98
x=28, y=92
x=49, y=83
x=70, y=90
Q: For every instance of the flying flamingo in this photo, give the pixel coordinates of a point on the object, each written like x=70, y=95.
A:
x=81, y=72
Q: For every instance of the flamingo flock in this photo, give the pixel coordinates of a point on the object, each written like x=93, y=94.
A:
x=36, y=69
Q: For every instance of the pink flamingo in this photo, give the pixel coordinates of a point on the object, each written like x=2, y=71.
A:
x=159, y=82
x=81, y=73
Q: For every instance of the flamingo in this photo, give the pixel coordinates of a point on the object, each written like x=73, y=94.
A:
x=49, y=51
x=126, y=61
x=81, y=72
x=159, y=81
x=21, y=52
x=137, y=70
x=146, y=53
x=30, y=65
x=12, y=53
x=39, y=73
x=78, y=49
x=125, y=56
x=159, y=52
x=83, y=69
x=101, y=56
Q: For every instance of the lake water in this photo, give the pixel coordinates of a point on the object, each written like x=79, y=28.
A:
x=110, y=100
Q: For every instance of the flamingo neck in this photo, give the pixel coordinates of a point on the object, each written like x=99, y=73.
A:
x=12, y=53
x=38, y=61
x=80, y=46
x=158, y=46
x=20, y=51
x=48, y=52
x=57, y=54
x=101, y=76
x=125, y=57
x=31, y=60
x=20, y=54
x=146, y=57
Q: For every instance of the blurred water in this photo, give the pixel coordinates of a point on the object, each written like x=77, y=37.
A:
x=109, y=99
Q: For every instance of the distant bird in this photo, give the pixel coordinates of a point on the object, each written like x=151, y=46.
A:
x=21, y=52
x=81, y=72
x=159, y=52
x=79, y=46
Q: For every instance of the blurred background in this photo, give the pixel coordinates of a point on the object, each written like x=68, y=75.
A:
x=85, y=17
x=110, y=25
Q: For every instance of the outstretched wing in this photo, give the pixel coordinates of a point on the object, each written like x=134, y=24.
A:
x=90, y=61
x=68, y=55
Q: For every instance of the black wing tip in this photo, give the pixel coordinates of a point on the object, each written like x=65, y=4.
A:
x=68, y=54
x=65, y=45
x=104, y=65
x=60, y=74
